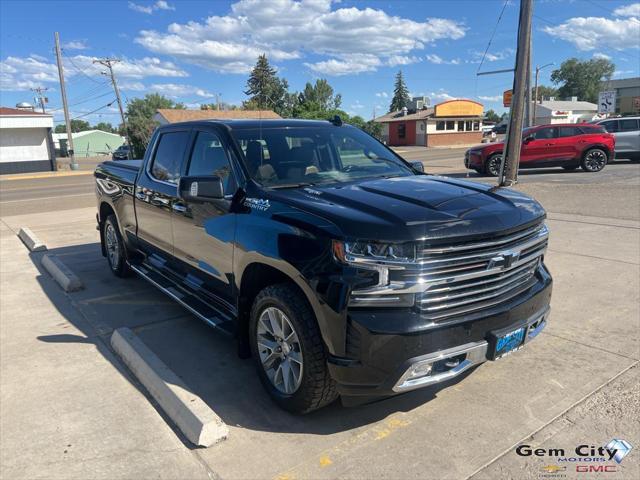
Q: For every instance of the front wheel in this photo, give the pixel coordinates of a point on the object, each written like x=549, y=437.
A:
x=493, y=165
x=114, y=248
x=594, y=160
x=288, y=350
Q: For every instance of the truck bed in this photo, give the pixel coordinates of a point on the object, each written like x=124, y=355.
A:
x=124, y=171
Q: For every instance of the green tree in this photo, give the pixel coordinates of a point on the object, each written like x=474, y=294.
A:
x=582, y=79
x=400, y=94
x=319, y=97
x=544, y=92
x=140, y=112
x=105, y=127
x=491, y=116
x=265, y=90
x=76, y=126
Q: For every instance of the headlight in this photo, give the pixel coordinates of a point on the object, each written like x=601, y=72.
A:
x=380, y=257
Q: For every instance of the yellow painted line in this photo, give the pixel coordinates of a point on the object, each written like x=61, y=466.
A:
x=29, y=176
x=325, y=461
x=401, y=151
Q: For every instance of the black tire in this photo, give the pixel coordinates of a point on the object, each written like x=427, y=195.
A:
x=492, y=165
x=114, y=247
x=594, y=160
x=569, y=167
x=316, y=388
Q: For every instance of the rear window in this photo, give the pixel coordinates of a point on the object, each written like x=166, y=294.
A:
x=628, y=125
x=593, y=129
x=569, y=131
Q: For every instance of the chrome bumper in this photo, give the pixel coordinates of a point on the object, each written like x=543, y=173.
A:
x=474, y=354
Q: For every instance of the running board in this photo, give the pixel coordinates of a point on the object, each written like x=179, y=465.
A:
x=190, y=301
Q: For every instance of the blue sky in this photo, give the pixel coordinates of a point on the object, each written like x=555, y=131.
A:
x=192, y=50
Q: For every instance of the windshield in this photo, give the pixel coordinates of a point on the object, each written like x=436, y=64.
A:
x=280, y=157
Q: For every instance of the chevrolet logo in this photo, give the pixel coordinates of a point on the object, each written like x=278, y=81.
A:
x=504, y=260
x=553, y=469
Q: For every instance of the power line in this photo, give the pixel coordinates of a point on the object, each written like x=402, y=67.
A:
x=493, y=34
x=78, y=69
x=94, y=111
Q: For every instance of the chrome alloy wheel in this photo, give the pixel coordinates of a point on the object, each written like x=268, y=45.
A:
x=113, y=247
x=595, y=160
x=280, y=350
x=494, y=164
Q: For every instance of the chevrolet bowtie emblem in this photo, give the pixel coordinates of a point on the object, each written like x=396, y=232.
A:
x=553, y=468
x=504, y=260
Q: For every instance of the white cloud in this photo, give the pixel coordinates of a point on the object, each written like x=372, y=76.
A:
x=622, y=73
x=490, y=98
x=601, y=55
x=440, y=95
x=75, y=45
x=438, y=60
x=631, y=10
x=594, y=32
x=132, y=86
x=476, y=56
x=174, y=90
x=23, y=73
x=149, y=9
x=382, y=95
x=290, y=29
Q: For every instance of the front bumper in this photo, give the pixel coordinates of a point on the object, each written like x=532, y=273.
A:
x=385, y=346
x=472, y=160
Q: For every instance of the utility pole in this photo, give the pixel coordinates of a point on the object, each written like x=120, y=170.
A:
x=511, y=159
x=109, y=62
x=63, y=93
x=535, y=88
x=41, y=98
x=527, y=97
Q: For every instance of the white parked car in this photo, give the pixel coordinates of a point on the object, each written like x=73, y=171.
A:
x=626, y=130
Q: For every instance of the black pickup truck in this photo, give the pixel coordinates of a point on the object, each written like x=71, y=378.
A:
x=342, y=269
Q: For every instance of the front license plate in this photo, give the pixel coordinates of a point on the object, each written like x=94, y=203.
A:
x=508, y=342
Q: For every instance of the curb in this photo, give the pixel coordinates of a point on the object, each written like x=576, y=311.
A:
x=58, y=173
x=191, y=415
x=61, y=274
x=30, y=240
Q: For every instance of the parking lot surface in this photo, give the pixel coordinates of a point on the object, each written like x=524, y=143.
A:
x=72, y=410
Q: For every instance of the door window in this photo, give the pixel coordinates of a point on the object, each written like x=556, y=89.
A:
x=402, y=130
x=209, y=158
x=611, y=126
x=569, y=132
x=168, y=156
x=628, y=125
x=545, y=133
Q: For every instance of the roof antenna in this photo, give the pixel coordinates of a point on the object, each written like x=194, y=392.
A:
x=336, y=120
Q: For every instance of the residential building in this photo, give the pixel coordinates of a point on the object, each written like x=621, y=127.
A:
x=563, y=111
x=454, y=122
x=174, y=115
x=25, y=141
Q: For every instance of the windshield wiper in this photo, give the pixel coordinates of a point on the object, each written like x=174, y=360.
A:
x=291, y=185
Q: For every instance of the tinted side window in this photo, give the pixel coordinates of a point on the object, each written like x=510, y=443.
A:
x=168, y=156
x=545, y=133
x=611, y=126
x=209, y=158
x=628, y=125
x=569, y=131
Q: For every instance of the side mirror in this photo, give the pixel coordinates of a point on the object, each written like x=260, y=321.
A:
x=528, y=139
x=417, y=165
x=201, y=189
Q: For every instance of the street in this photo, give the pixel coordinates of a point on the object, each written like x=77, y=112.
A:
x=577, y=383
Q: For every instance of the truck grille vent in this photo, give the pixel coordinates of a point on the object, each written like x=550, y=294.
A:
x=471, y=276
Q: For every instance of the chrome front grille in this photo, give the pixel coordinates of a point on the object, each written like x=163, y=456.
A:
x=470, y=276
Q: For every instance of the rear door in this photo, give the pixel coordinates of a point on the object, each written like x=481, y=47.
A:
x=569, y=143
x=541, y=149
x=204, y=233
x=157, y=190
x=627, y=137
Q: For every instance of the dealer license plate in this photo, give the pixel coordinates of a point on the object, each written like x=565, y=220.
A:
x=509, y=342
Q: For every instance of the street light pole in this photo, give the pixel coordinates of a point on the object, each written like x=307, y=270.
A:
x=535, y=95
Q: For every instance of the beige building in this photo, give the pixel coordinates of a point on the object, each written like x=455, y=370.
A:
x=174, y=115
x=25, y=141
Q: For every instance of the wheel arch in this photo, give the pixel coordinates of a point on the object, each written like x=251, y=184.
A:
x=104, y=211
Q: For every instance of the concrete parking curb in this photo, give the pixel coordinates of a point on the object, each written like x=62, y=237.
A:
x=192, y=416
x=31, y=241
x=61, y=274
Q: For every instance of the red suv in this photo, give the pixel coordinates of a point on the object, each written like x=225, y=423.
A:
x=568, y=146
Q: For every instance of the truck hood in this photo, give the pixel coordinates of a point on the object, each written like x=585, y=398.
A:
x=412, y=208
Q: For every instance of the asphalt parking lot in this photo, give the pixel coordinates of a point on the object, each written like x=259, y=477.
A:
x=71, y=409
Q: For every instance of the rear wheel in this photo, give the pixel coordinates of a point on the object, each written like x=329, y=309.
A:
x=594, y=160
x=493, y=164
x=288, y=350
x=114, y=248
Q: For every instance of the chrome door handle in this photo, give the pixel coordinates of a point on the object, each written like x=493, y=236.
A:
x=179, y=208
x=159, y=201
x=140, y=195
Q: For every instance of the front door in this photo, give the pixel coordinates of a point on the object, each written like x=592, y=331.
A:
x=156, y=192
x=541, y=148
x=204, y=233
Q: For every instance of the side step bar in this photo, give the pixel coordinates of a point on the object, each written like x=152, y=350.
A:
x=188, y=300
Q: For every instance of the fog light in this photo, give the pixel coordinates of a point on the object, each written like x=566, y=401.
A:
x=420, y=370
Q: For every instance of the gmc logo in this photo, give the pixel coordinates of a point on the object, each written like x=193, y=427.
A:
x=596, y=468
